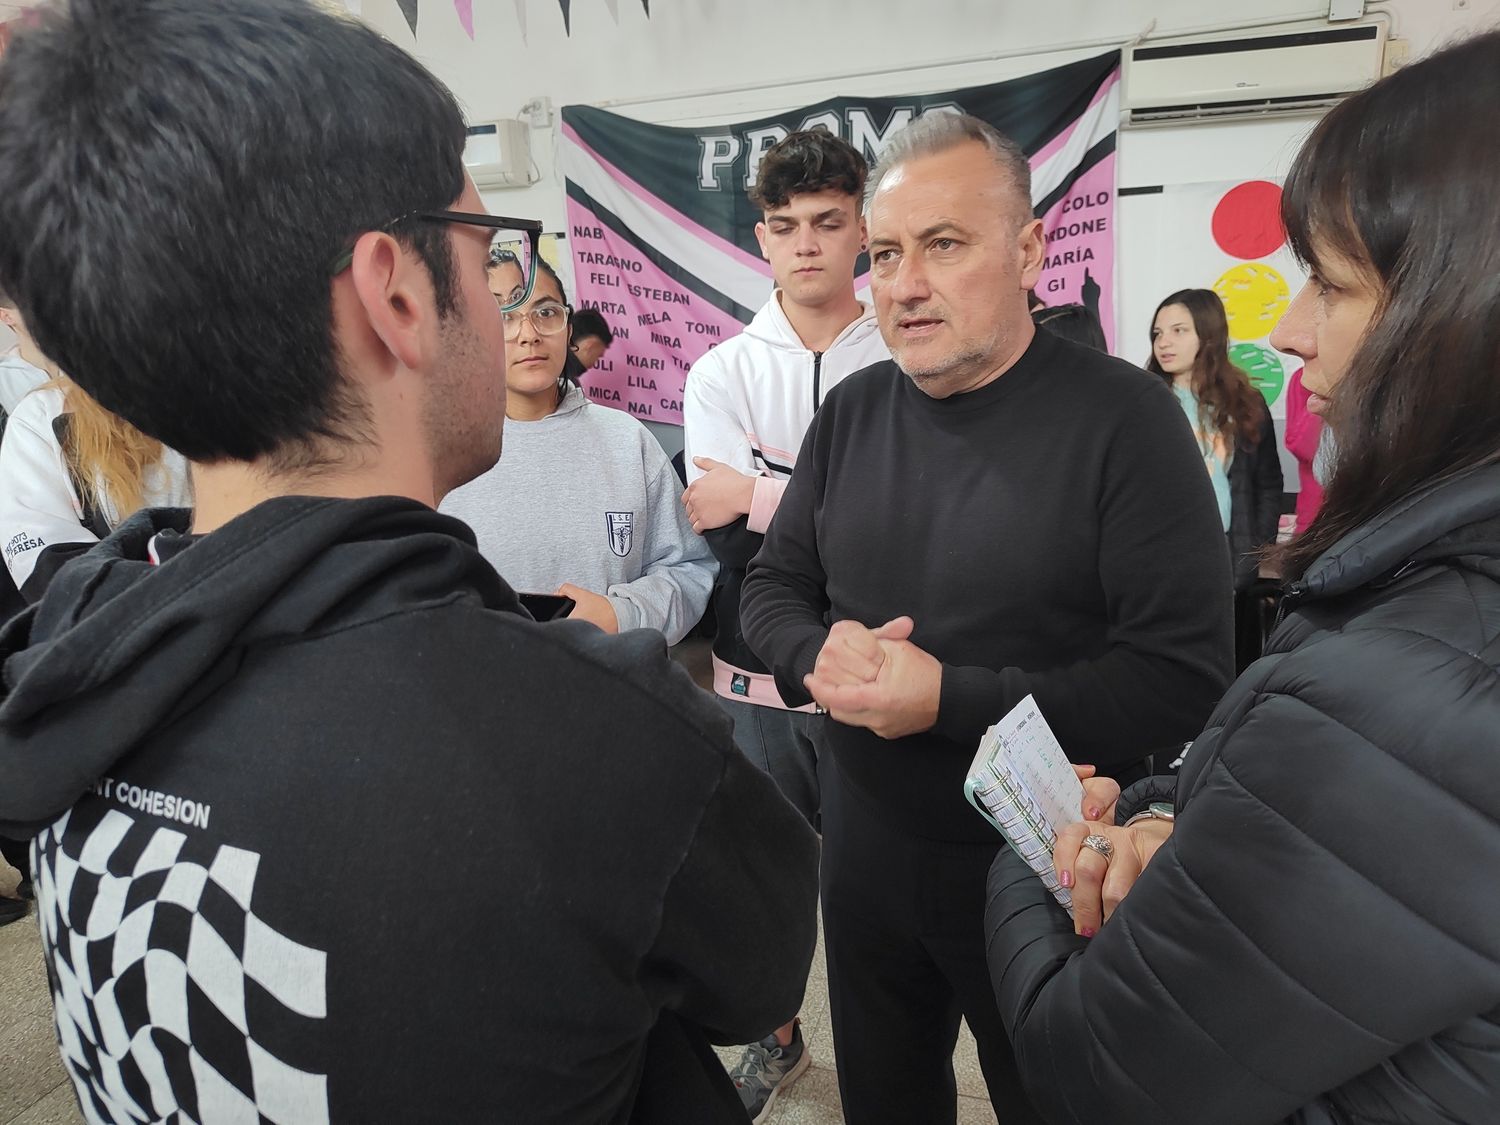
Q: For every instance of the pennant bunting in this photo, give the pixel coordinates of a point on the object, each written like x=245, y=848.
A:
x=409, y=10
x=614, y=9
x=465, y=10
x=521, y=19
x=566, y=6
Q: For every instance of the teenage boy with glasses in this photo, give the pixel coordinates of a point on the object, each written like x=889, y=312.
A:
x=245, y=736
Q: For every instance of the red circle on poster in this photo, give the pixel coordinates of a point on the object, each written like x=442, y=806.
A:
x=1247, y=221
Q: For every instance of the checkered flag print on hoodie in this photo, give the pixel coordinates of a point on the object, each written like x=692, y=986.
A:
x=135, y=921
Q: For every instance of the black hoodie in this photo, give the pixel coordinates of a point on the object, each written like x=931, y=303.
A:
x=330, y=830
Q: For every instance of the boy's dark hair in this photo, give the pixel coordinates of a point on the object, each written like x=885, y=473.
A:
x=809, y=161
x=177, y=180
x=591, y=322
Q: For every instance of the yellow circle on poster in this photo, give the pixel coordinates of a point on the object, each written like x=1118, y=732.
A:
x=1254, y=296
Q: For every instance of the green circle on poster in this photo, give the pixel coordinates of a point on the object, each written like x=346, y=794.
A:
x=1263, y=365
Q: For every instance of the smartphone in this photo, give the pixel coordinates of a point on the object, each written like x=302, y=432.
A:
x=547, y=607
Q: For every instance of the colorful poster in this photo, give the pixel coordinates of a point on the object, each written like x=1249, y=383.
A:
x=663, y=234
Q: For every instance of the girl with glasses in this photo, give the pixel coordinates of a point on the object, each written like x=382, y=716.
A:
x=584, y=502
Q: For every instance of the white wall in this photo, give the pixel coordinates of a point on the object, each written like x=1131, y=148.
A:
x=697, y=61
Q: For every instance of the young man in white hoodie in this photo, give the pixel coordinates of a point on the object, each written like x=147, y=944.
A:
x=748, y=403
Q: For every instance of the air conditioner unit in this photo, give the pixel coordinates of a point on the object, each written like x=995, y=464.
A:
x=498, y=154
x=1208, y=80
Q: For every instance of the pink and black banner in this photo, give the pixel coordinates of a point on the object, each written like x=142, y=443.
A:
x=663, y=233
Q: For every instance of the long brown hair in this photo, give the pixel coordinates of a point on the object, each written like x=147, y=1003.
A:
x=1226, y=400
x=108, y=457
x=1403, y=180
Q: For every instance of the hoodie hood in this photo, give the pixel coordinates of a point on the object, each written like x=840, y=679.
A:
x=119, y=646
x=1454, y=521
x=771, y=327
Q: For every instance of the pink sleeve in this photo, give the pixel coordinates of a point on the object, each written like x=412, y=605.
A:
x=764, y=502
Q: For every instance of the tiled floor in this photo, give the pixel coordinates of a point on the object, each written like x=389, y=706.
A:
x=34, y=1090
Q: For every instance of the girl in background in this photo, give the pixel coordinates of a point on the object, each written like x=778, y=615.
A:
x=1232, y=423
x=70, y=472
x=583, y=502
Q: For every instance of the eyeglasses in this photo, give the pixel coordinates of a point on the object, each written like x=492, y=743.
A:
x=548, y=318
x=515, y=242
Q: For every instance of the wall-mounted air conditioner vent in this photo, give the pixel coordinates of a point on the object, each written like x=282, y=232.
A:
x=1249, y=76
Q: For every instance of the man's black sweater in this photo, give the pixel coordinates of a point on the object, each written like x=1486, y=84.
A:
x=1052, y=533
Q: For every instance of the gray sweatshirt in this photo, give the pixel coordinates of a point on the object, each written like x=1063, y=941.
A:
x=587, y=496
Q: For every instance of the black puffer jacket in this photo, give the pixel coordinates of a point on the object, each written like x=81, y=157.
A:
x=1319, y=941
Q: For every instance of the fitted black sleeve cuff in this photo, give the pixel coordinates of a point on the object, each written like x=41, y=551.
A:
x=974, y=699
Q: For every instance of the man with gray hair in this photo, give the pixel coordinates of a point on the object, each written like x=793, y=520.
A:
x=996, y=513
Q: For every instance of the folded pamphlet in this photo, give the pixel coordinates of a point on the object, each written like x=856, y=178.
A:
x=1022, y=783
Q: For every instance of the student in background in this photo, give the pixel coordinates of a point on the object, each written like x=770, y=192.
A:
x=1311, y=940
x=748, y=404
x=584, y=501
x=592, y=336
x=1232, y=425
x=70, y=472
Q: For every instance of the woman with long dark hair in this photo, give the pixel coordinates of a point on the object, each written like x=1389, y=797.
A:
x=1235, y=434
x=1302, y=931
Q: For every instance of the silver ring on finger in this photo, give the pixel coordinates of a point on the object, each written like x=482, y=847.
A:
x=1100, y=844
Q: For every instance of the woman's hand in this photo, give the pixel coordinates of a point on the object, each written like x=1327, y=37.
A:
x=1098, y=885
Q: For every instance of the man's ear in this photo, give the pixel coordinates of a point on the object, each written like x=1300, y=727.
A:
x=1032, y=248
x=395, y=295
x=760, y=237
